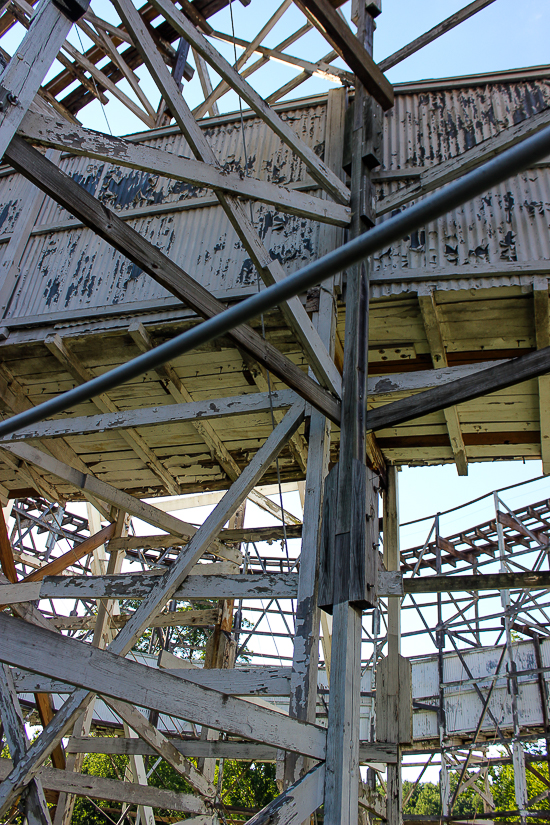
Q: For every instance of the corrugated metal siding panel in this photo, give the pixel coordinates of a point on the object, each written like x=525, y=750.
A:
x=73, y=270
x=426, y=128
x=510, y=223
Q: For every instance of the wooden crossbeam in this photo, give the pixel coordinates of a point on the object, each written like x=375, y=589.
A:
x=102, y=672
x=541, y=308
x=326, y=19
x=463, y=389
x=55, y=132
x=191, y=411
x=433, y=33
x=432, y=327
x=163, y=270
x=103, y=402
x=318, y=170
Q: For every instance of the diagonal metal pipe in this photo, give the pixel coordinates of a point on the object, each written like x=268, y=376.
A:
x=514, y=160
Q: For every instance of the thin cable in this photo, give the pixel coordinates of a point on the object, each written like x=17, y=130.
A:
x=246, y=171
x=95, y=86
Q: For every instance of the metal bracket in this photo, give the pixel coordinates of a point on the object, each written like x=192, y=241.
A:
x=7, y=99
x=72, y=9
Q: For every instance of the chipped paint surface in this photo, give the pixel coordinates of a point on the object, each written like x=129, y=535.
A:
x=509, y=224
x=73, y=270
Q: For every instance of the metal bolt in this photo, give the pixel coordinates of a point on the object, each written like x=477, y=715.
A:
x=12, y=98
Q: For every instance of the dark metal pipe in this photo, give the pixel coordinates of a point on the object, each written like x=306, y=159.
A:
x=495, y=171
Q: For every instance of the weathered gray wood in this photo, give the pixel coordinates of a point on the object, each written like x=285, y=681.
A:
x=112, y=789
x=349, y=47
x=29, y=65
x=104, y=491
x=394, y=700
x=252, y=751
x=449, y=170
x=431, y=275
x=55, y=132
x=423, y=379
x=107, y=225
x=162, y=591
x=433, y=34
x=463, y=389
x=470, y=583
x=35, y=806
x=14, y=593
x=318, y=170
x=268, y=681
x=297, y=803
x=111, y=675
x=163, y=747
x=138, y=586
x=103, y=402
x=186, y=618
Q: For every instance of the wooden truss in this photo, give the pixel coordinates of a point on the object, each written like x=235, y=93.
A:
x=325, y=388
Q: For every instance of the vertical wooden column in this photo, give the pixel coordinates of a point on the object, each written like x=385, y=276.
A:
x=394, y=810
x=352, y=557
x=303, y=685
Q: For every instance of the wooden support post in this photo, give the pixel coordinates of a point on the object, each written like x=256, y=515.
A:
x=36, y=809
x=432, y=326
x=303, y=696
x=355, y=555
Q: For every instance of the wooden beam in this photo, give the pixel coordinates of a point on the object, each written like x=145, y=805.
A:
x=97, y=670
x=461, y=390
x=431, y=35
x=217, y=448
x=442, y=173
x=297, y=803
x=113, y=790
x=380, y=385
x=326, y=19
x=103, y=402
x=318, y=170
x=161, y=592
x=163, y=747
x=108, y=226
x=471, y=583
x=55, y=132
x=269, y=269
x=432, y=328
x=36, y=809
x=177, y=618
x=29, y=65
x=77, y=552
x=268, y=681
x=195, y=587
x=191, y=411
x=105, y=492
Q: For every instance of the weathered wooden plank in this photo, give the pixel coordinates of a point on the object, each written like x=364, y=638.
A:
x=268, y=681
x=35, y=806
x=44, y=131
x=107, y=225
x=137, y=586
x=325, y=17
x=112, y=789
x=78, y=551
x=433, y=33
x=423, y=379
x=102, y=672
x=295, y=804
x=463, y=389
x=471, y=583
x=16, y=593
x=317, y=169
x=29, y=65
x=185, y=618
x=252, y=751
